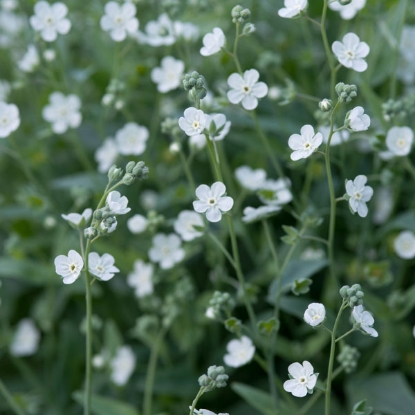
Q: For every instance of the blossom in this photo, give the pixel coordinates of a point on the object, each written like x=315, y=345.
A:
x=358, y=195
x=217, y=126
x=131, y=139
x=50, y=20
x=141, y=278
x=302, y=379
x=184, y=225
x=122, y=365
x=159, y=32
x=30, y=60
x=275, y=192
x=213, y=42
x=11, y=25
x=26, y=338
x=351, y=52
x=212, y=201
x=357, y=120
x=399, y=140
x=305, y=144
x=240, y=352
x=337, y=138
x=205, y=412
x=254, y=214
x=315, y=314
x=63, y=112
x=119, y=19
x=117, y=204
x=365, y=320
x=166, y=250
x=246, y=89
x=77, y=220
x=168, y=76
x=102, y=267
x=9, y=119
x=292, y=8
x=69, y=267
x=348, y=11
x=106, y=155
x=249, y=178
x=137, y=224
x=193, y=122
x=404, y=245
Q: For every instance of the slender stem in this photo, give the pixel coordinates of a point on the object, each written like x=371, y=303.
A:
x=222, y=248
x=199, y=394
x=315, y=238
x=151, y=372
x=235, y=50
x=410, y=167
x=88, y=340
x=187, y=171
x=313, y=21
x=345, y=334
x=271, y=244
x=308, y=97
x=331, y=360
x=9, y=399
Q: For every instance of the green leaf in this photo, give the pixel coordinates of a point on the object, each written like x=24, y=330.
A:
x=388, y=393
x=257, y=398
x=106, y=406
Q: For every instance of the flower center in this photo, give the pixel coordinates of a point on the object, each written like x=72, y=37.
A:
x=49, y=20
x=316, y=316
x=119, y=20
x=212, y=201
x=166, y=250
x=307, y=146
x=302, y=379
x=350, y=54
x=358, y=195
x=100, y=268
x=4, y=121
x=246, y=89
x=401, y=142
x=195, y=124
x=162, y=31
x=72, y=268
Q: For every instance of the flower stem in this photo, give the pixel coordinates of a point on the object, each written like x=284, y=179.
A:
x=235, y=50
x=194, y=403
x=331, y=360
x=9, y=399
x=345, y=334
x=223, y=249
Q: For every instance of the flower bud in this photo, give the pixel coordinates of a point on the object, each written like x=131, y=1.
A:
x=345, y=92
x=115, y=173
x=326, y=105
x=90, y=233
x=130, y=166
x=248, y=29
x=128, y=179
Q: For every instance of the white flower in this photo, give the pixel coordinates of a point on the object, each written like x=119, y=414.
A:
x=348, y=11
x=186, y=30
x=111, y=228
x=306, y=144
x=9, y=5
x=11, y=25
x=312, y=253
x=137, y=224
x=149, y=199
x=217, y=126
x=63, y=112
x=50, y=20
x=212, y=201
x=77, y=220
x=359, y=194
x=166, y=250
x=141, y=279
x=30, y=60
x=49, y=55
x=184, y=223
x=252, y=215
x=106, y=155
x=315, y=314
x=249, y=178
x=9, y=119
x=351, y=52
x=407, y=44
x=205, y=412
x=399, y=140
x=240, y=352
x=131, y=139
x=168, y=76
x=357, y=120
x=193, y=122
x=69, y=267
x=292, y=8
x=122, y=365
x=337, y=138
x=119, y=19
x=213, y=42
x=117, y=204
x=365, y=320
x=210, y=313
x=102, y=267
x=246, y=89
x=5, y=89
x=404, y=245
x=26, y=338
x=159, y=32
x=197, y=142
x=275, y=192
x=302, y=379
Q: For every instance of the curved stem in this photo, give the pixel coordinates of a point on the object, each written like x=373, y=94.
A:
x=199, y=394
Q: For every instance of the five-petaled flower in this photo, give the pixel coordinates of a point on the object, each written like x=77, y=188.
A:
x=358, y=195
x=315, y=314
x=166, y=250
x=306, y=144
x=404, y=245
x=168, y=75
x=399, y=140
x=117, y=203
x=246, y=89
x=193, y=122
x=351, y=52
x=293, y=8
x=357, y=120
x=212, y=201
x=102, y=267
x=69, y=267
x=302, y=379
x=364, y=320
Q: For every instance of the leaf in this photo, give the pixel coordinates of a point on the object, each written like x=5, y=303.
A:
x=106, y=406
x=388, y=393
x=257, y=398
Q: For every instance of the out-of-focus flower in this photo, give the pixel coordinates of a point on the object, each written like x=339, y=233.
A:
x=292, y=8
x=30, y=60
x=77, y=220
x=137, y=224
x=399, y=140
x=122, y=365
x=213, y=42
x=168, y=75
x=9, y=119
x=131, y=139
x=166, y=250
x=348, y=11
x=240, y=352
x=26, y=339
x=404, y=245
x=185, y=222
x=119, y=19
x=106, y=155
x=141, y=278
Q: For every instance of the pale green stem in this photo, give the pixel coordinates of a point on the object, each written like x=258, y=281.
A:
x=331, y=359
x=235, y=50
x=199, y=394
x=346, y=334
x=308, y=97
x=315, y=238
x=151, y=372
x=187, y=170
x=9, y=399
x=223, y=249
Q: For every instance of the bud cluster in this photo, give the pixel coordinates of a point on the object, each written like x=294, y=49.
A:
x=221, y=303
x=348, y=358
x=135, y=171
x=215, y=378
x=352, y=295
x=399, y=109
x=345, y=92
x=171, y=127
x=240, y=15
x=196, y=85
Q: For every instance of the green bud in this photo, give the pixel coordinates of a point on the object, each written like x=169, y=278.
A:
x=196, y=94
x=233, y=325
x=236, y=11
x=248, y=29
x=115, y=173
x=326, y=105
x=204, y=381
x=345, y=92
x=98, y=214
x=268, y=327
x=90, y=233
x=343, y=291
x=240, y=15
x=130, y=166
x=128, y=179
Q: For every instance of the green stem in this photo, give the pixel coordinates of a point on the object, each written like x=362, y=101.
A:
x=315, y=238
x=331, y=360
x=308, y=97
x=88, y=340
x=271, y=244
x=235, y=50
x=345, y=334
x=151, y=372
x=9, y=399
x=187, y=171
x=199, y=394
x=223, y=249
